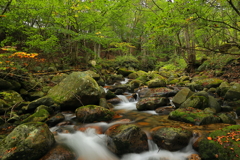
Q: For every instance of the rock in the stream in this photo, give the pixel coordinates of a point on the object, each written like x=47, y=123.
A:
x=157, y=92
x=55, y=119
x=221, y=144
x=233, y=92
x=59, y=152
x=171, y=138
x=201, y=100
x=194, y=116
x=126, y=138
x=91, y=113
x=39, y=116
x=151, y=103
x=181, y=96
x=28, y=141
x=154, y=83
x=76, y=89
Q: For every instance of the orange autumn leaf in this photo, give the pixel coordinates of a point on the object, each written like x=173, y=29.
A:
x=209, y=138
x=143, y=123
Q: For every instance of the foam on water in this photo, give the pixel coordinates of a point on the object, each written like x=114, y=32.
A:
x=89, y=145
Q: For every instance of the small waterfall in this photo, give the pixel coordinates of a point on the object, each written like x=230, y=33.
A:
x=123, y=98
x=125, y=81
x=106, y=90
x=87, y=145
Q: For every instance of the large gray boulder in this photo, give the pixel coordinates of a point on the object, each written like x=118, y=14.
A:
x=233, y=92
x=75, y=90
x=181, y=96
x=201, y=100
x=151, y=103
x=171, y=138
x=29, y=141
x=126, y=138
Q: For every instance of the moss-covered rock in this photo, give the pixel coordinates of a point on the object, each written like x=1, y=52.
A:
x=233, y=92
x=201, y=100
x=157, y=92
x=91, y=113
x=11, y=97
x=154, y=83
x=125, y=72
x=221, y=144
x=59, y=117
x=57, y=78
x=47, y=101
x=93, y=74
x=194, y=116
x=134, y=84
x=126, y=138
x=223, y=88
x=151, y=103
x=76, y=89
x=171, y=138
x=29, y=141
x=181, y=96
x=209, y=82
x=39, y=116
x=226, y=119
x=5, y=85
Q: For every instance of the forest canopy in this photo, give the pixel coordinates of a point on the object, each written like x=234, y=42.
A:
x=81, y=30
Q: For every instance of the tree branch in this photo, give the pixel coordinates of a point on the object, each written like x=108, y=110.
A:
x=6, y=7
x=234, y=7
x=222, y=22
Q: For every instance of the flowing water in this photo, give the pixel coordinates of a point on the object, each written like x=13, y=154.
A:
x=89, y=145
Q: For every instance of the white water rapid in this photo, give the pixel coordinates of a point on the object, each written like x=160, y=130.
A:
x=89, y=145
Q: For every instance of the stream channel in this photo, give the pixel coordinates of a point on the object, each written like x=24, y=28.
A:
x=90, y=145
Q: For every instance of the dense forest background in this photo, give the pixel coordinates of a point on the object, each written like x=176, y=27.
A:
x=70, y=32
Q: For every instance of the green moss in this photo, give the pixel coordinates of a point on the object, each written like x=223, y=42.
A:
x=223, y=143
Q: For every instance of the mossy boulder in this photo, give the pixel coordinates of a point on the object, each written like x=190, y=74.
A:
x=93, y=74
x=233, y=92
x=154, y=83
x=225, y=118
x=47, y=101
x=39, y=116
x=110, y=95
x=223, y=88
x=134, y=84
x=3, y=106
x=11, y=97
x=157, y=92
x=5, y=85
x=76, y=89
x=125, y=72
x=181, y=96
x=209, y=82
x=194, y=116
x=91, y=113
x=221, y=144
x=126, y=138
x=151, y=103
x=171, y=138
x=57, y=78
x=28, y=141
x=201, y=100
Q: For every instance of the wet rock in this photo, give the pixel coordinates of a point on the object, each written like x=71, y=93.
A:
x=201, y=100
x=92, y=74
x=126, y=138
x=35, y=95
x=110, y=95
x=154, y=83
x=125, y=72
x=233, y=92
x=119, y=91
x=151, y=103
x=59, y=152
x=164, y=110
x=209, y=82
x=5, y=85
x=134, y=84
x=157, y=92
x=181, y=96
x=57, y=78
x=29, y=141
x=114, y=100
x=91, y=113
x=226, y=108
x=171, y=138
x=40, y=115
x=76, y=89
x=226, y=119
x=194, y=116
x=221, y=144
x=47, y=101
x=223, y=88
x=55, y=119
